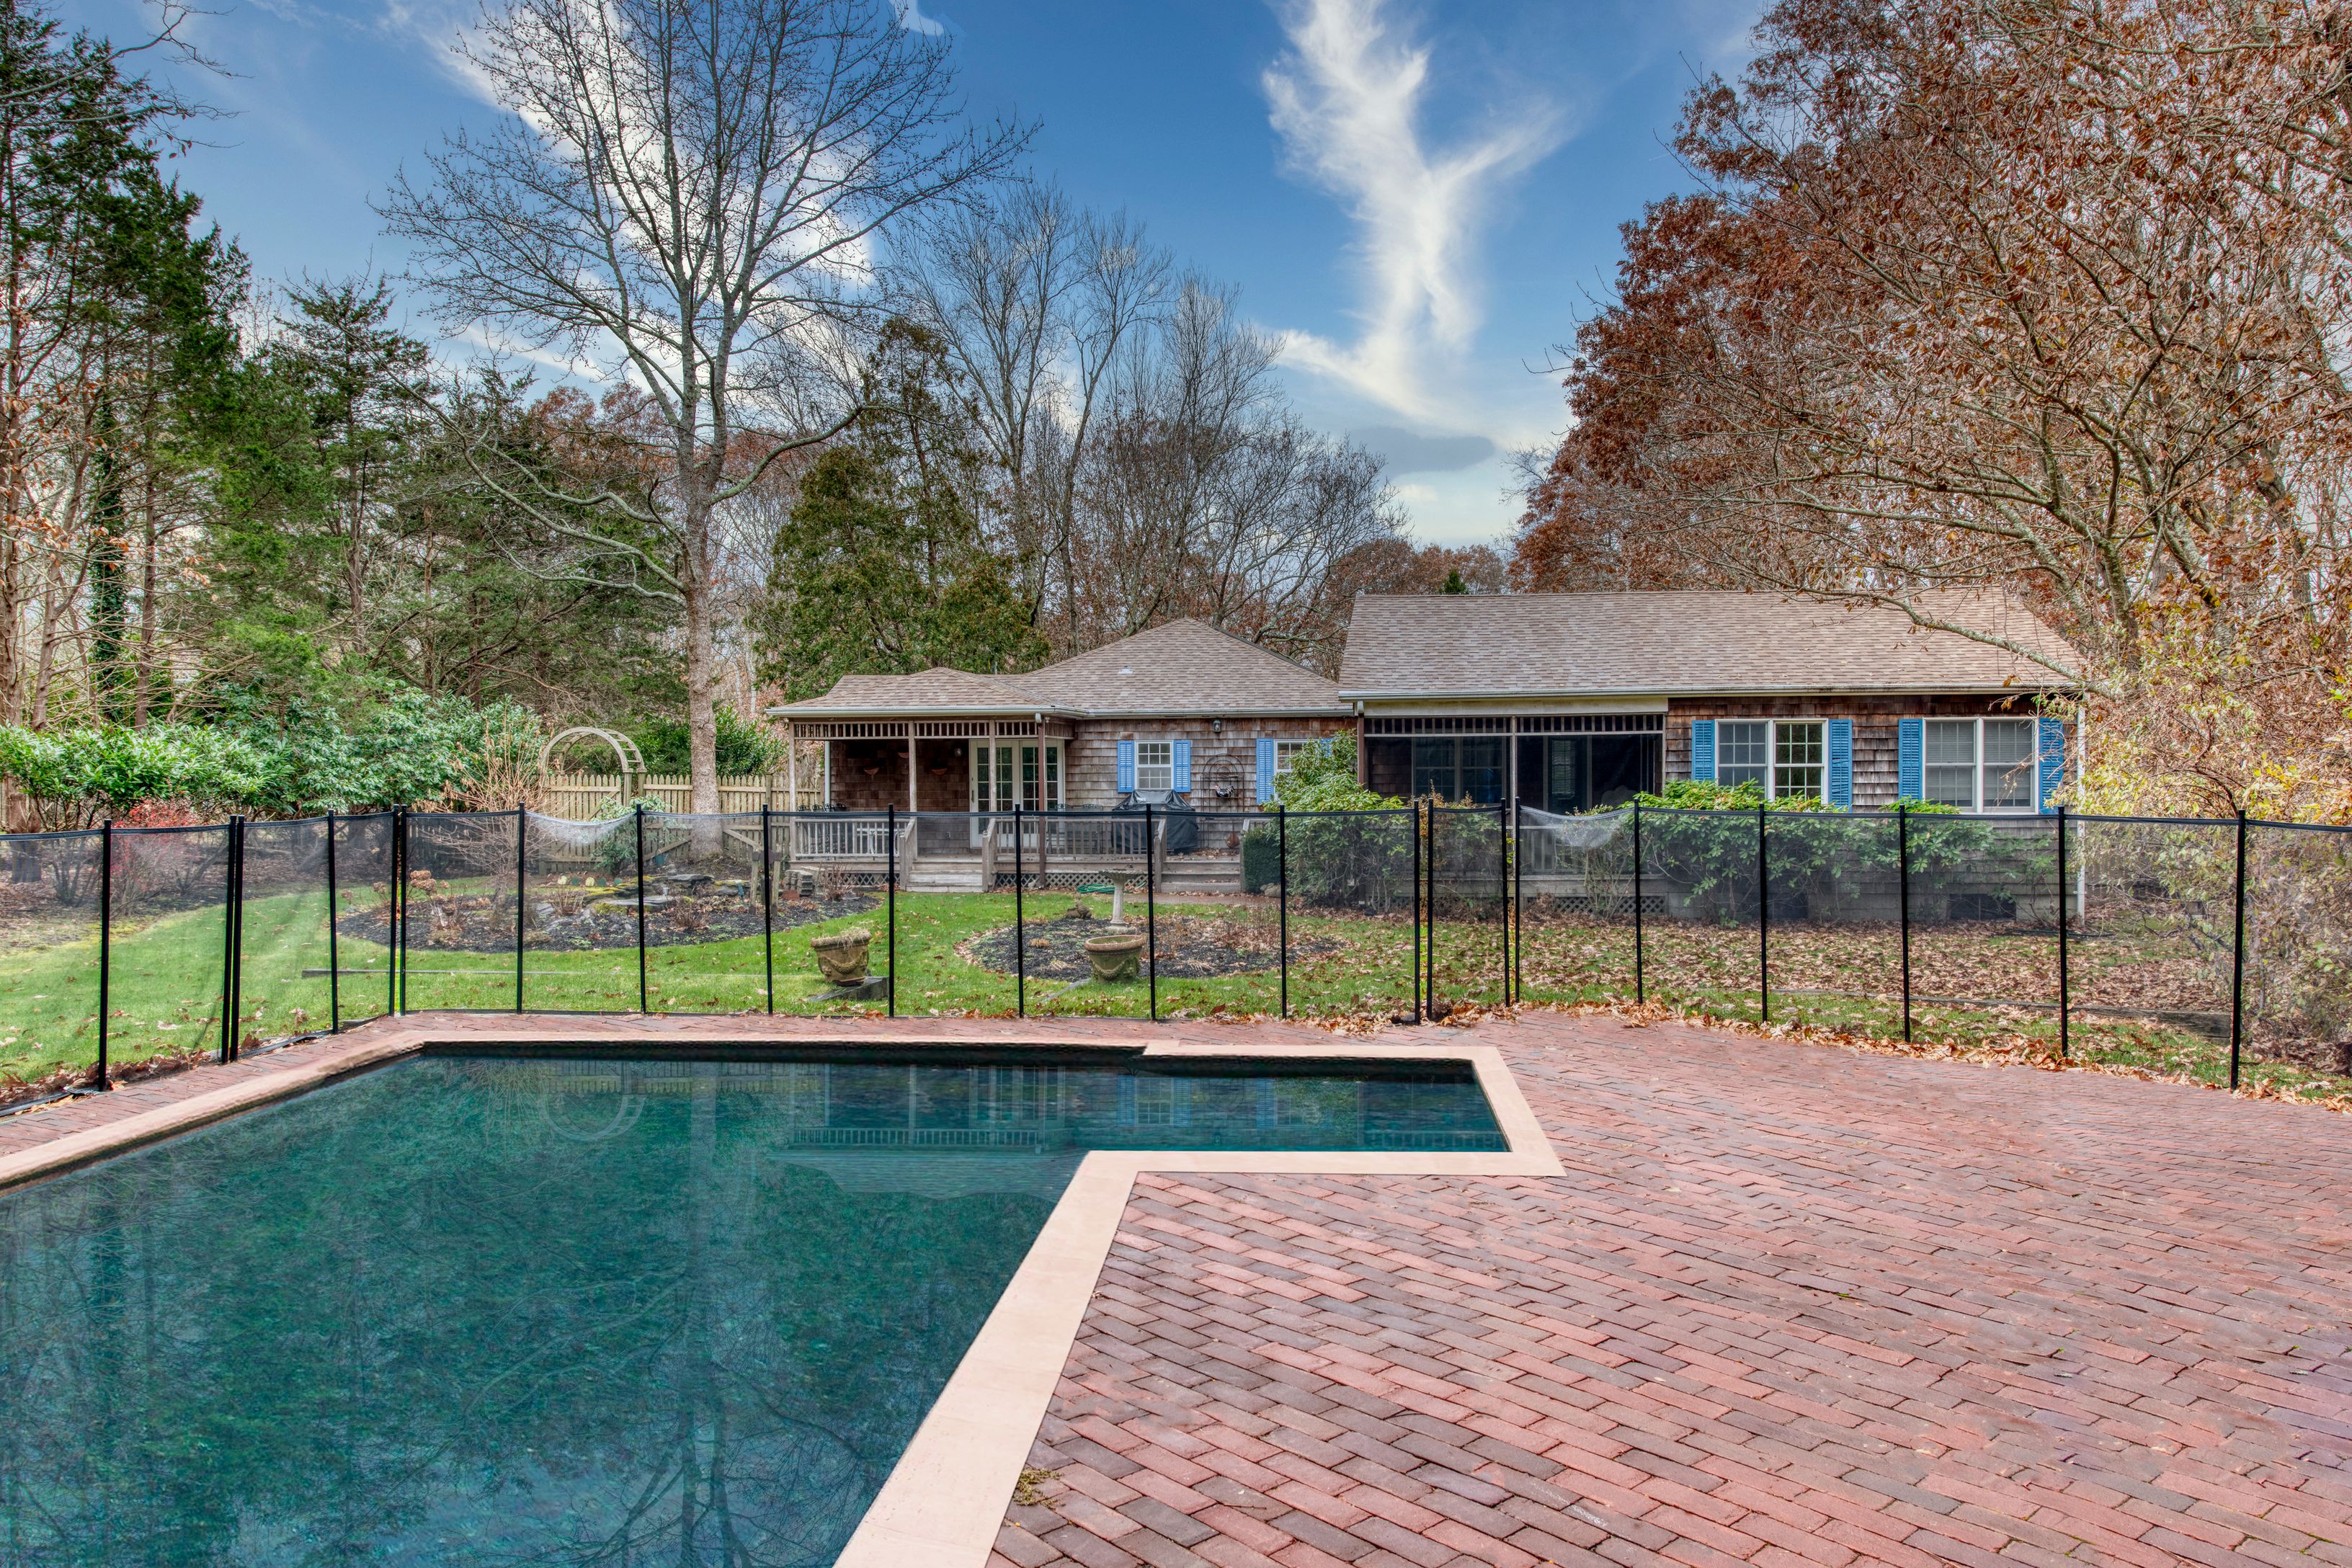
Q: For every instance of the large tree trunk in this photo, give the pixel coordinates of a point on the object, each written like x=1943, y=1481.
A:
x=701, y=672
x=143, y=666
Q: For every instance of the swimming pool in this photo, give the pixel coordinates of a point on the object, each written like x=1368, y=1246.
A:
x=472, y=1311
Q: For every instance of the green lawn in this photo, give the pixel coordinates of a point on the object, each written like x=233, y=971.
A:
x=166, y=978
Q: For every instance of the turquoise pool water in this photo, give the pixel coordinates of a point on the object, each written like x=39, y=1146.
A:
x=467, y=1312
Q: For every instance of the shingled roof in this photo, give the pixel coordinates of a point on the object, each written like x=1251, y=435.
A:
x=1183, y=667
x=1440, y=646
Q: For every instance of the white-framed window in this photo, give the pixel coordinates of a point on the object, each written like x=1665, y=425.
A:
x=1288, y=751
x=1155, y=766
x=1979, y=764
x=1782, y=757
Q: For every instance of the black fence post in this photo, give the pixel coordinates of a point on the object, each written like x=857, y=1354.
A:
x=1281, y=896
x=334, y=948
x=1903, y=902
x=397, y=977
x=1151, y=910
x=1418, y=1012
x=2238, y=960
x=2062, y=933
x=228, y=932
x=107, y=934
x=1429, y=910
x=522, y=836
x=1763, y=921
x=1020, y=923
x=768, y=897
x=1640, y=987
x=231, y=1043
x=645, y=991
x=890, y=907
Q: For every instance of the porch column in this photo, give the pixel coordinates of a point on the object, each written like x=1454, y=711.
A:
x=792, y=768
x=910, y=767
x=1511, y=795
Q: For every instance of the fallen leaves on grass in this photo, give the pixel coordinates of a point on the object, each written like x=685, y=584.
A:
x=1994, y=1049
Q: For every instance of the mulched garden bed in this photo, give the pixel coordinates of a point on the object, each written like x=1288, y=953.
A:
x=1191, y=947
x=485, y=923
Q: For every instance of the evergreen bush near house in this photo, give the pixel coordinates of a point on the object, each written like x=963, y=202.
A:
x=1343, y=861
x=743, y=746
x=1261, y=859
x=1323, y=778
x=1703, y=840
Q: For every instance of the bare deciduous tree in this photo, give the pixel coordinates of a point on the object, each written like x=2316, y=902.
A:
x=684, y=198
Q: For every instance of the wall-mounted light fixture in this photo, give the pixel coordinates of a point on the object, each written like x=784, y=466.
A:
x=1216, y=726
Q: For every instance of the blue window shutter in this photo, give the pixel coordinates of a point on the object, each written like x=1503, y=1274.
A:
x=1184, y=750
x=1264, y=769
x=1703, y=749
x=2051, y=777
x=1911, y=759
x=1127, y=767
x=1841, y=764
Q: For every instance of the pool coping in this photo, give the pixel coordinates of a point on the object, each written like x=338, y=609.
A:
x=944, y=1500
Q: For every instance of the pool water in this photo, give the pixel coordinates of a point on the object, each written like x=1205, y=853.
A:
x=468, y=1312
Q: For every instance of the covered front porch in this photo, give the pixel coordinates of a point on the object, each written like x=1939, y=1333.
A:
x=964, y=805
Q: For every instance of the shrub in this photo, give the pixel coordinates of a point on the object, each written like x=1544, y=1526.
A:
x=399, y=747
x=743, y=746
x=1702, y=839
x=72, y=778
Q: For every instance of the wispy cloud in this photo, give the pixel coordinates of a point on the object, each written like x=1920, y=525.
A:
x=911, y=17
x=1349, y=98
x=439, y=28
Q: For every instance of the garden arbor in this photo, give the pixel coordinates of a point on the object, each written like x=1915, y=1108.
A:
x=625, y=752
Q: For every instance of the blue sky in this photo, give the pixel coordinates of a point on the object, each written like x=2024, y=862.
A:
x=1421, y=198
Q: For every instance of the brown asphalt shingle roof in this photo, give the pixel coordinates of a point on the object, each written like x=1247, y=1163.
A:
x=1183, y=667
x=1460, y=645
x=938, y=687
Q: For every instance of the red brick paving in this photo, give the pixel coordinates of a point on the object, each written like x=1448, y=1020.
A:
x=1789, y=1306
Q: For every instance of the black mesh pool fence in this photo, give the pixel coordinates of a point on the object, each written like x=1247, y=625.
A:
x=2212, y=947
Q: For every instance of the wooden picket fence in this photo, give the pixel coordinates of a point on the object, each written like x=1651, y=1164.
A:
x=583, y=797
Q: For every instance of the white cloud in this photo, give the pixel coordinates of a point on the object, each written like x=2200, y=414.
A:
x=911, y=17
x=1348, y=99
x=441, y=26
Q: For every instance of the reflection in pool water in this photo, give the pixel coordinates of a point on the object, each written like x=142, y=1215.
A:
x=465, y=1313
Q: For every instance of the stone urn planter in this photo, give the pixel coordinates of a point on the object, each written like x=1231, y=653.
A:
x=1115, y=957
x=841, y=957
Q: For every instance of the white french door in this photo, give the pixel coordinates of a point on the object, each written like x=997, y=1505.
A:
x=1006, y=772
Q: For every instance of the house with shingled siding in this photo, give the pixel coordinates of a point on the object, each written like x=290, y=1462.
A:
x=1182, y=715
x=1564, y=702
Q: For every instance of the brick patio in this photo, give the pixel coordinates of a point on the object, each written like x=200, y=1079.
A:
x=1790, y=1305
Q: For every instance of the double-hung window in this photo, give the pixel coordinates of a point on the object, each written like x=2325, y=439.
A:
x=1979, y=764
x=1782, y=757
x=1288, y=751
x=1155, y=766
